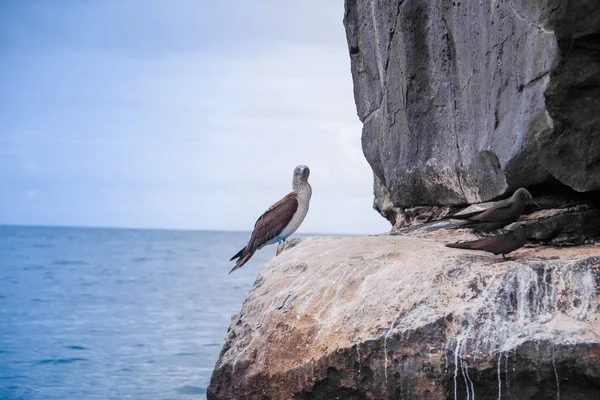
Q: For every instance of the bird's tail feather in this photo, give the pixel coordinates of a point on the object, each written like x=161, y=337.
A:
x=466, y=224
x=243, y=260
x=463, y=215
x=458, y=226
x=465, y=245
x=238, y=254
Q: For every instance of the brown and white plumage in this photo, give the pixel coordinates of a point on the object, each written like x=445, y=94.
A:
x=281, y=219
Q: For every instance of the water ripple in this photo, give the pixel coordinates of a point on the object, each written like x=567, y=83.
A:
x=62, y=360
x=75, y=347
x=192, y=390
x=68, y=262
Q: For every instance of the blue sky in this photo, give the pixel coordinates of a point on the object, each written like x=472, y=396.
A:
x=179, y=114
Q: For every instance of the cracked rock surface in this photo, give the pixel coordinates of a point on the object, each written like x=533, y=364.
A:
x=464, y=101
x=403, y=317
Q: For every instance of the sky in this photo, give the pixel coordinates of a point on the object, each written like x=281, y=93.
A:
x=186, y=114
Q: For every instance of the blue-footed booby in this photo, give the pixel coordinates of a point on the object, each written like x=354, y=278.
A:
x=497, y=216
x=281, y=219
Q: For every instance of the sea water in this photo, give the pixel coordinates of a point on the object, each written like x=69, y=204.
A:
x=116, y=313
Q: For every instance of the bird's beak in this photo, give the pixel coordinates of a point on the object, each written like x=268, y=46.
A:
x=536, y=204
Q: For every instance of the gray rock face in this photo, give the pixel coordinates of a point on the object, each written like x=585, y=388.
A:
x=464, y=101
x=383, y=203
x=403, y=317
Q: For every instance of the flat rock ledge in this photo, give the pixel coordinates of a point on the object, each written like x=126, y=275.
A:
x=403, y=317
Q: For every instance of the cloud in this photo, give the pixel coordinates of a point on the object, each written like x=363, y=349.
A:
x=190, y=125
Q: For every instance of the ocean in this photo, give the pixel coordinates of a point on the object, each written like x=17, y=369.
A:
x=116, y=313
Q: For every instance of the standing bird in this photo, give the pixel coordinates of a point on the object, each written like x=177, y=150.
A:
x=281, y=219
x=499, y=215
x=499, y=244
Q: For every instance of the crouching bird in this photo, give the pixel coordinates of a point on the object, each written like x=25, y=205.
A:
x=497, y=216
x=499, y=244
x=280, y=220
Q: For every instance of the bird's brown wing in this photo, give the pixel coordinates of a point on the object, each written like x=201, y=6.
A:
x=496, y=213
x=481, y=226
x=282, y=201
x=474, y=215
x=473, y=245
x=495, y=244
x=270, y=224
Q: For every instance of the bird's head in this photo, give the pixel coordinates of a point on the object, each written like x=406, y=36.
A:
x=519, y=228
x=524, y=196
x=516, y=226
x=301, y=173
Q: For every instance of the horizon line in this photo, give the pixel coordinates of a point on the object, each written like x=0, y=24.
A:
x=168, y=229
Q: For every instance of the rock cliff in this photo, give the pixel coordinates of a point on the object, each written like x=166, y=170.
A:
x=464, y=101
x=403, y=317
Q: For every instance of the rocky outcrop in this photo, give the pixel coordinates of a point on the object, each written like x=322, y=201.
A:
x=403, y=317
x=465, y=101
